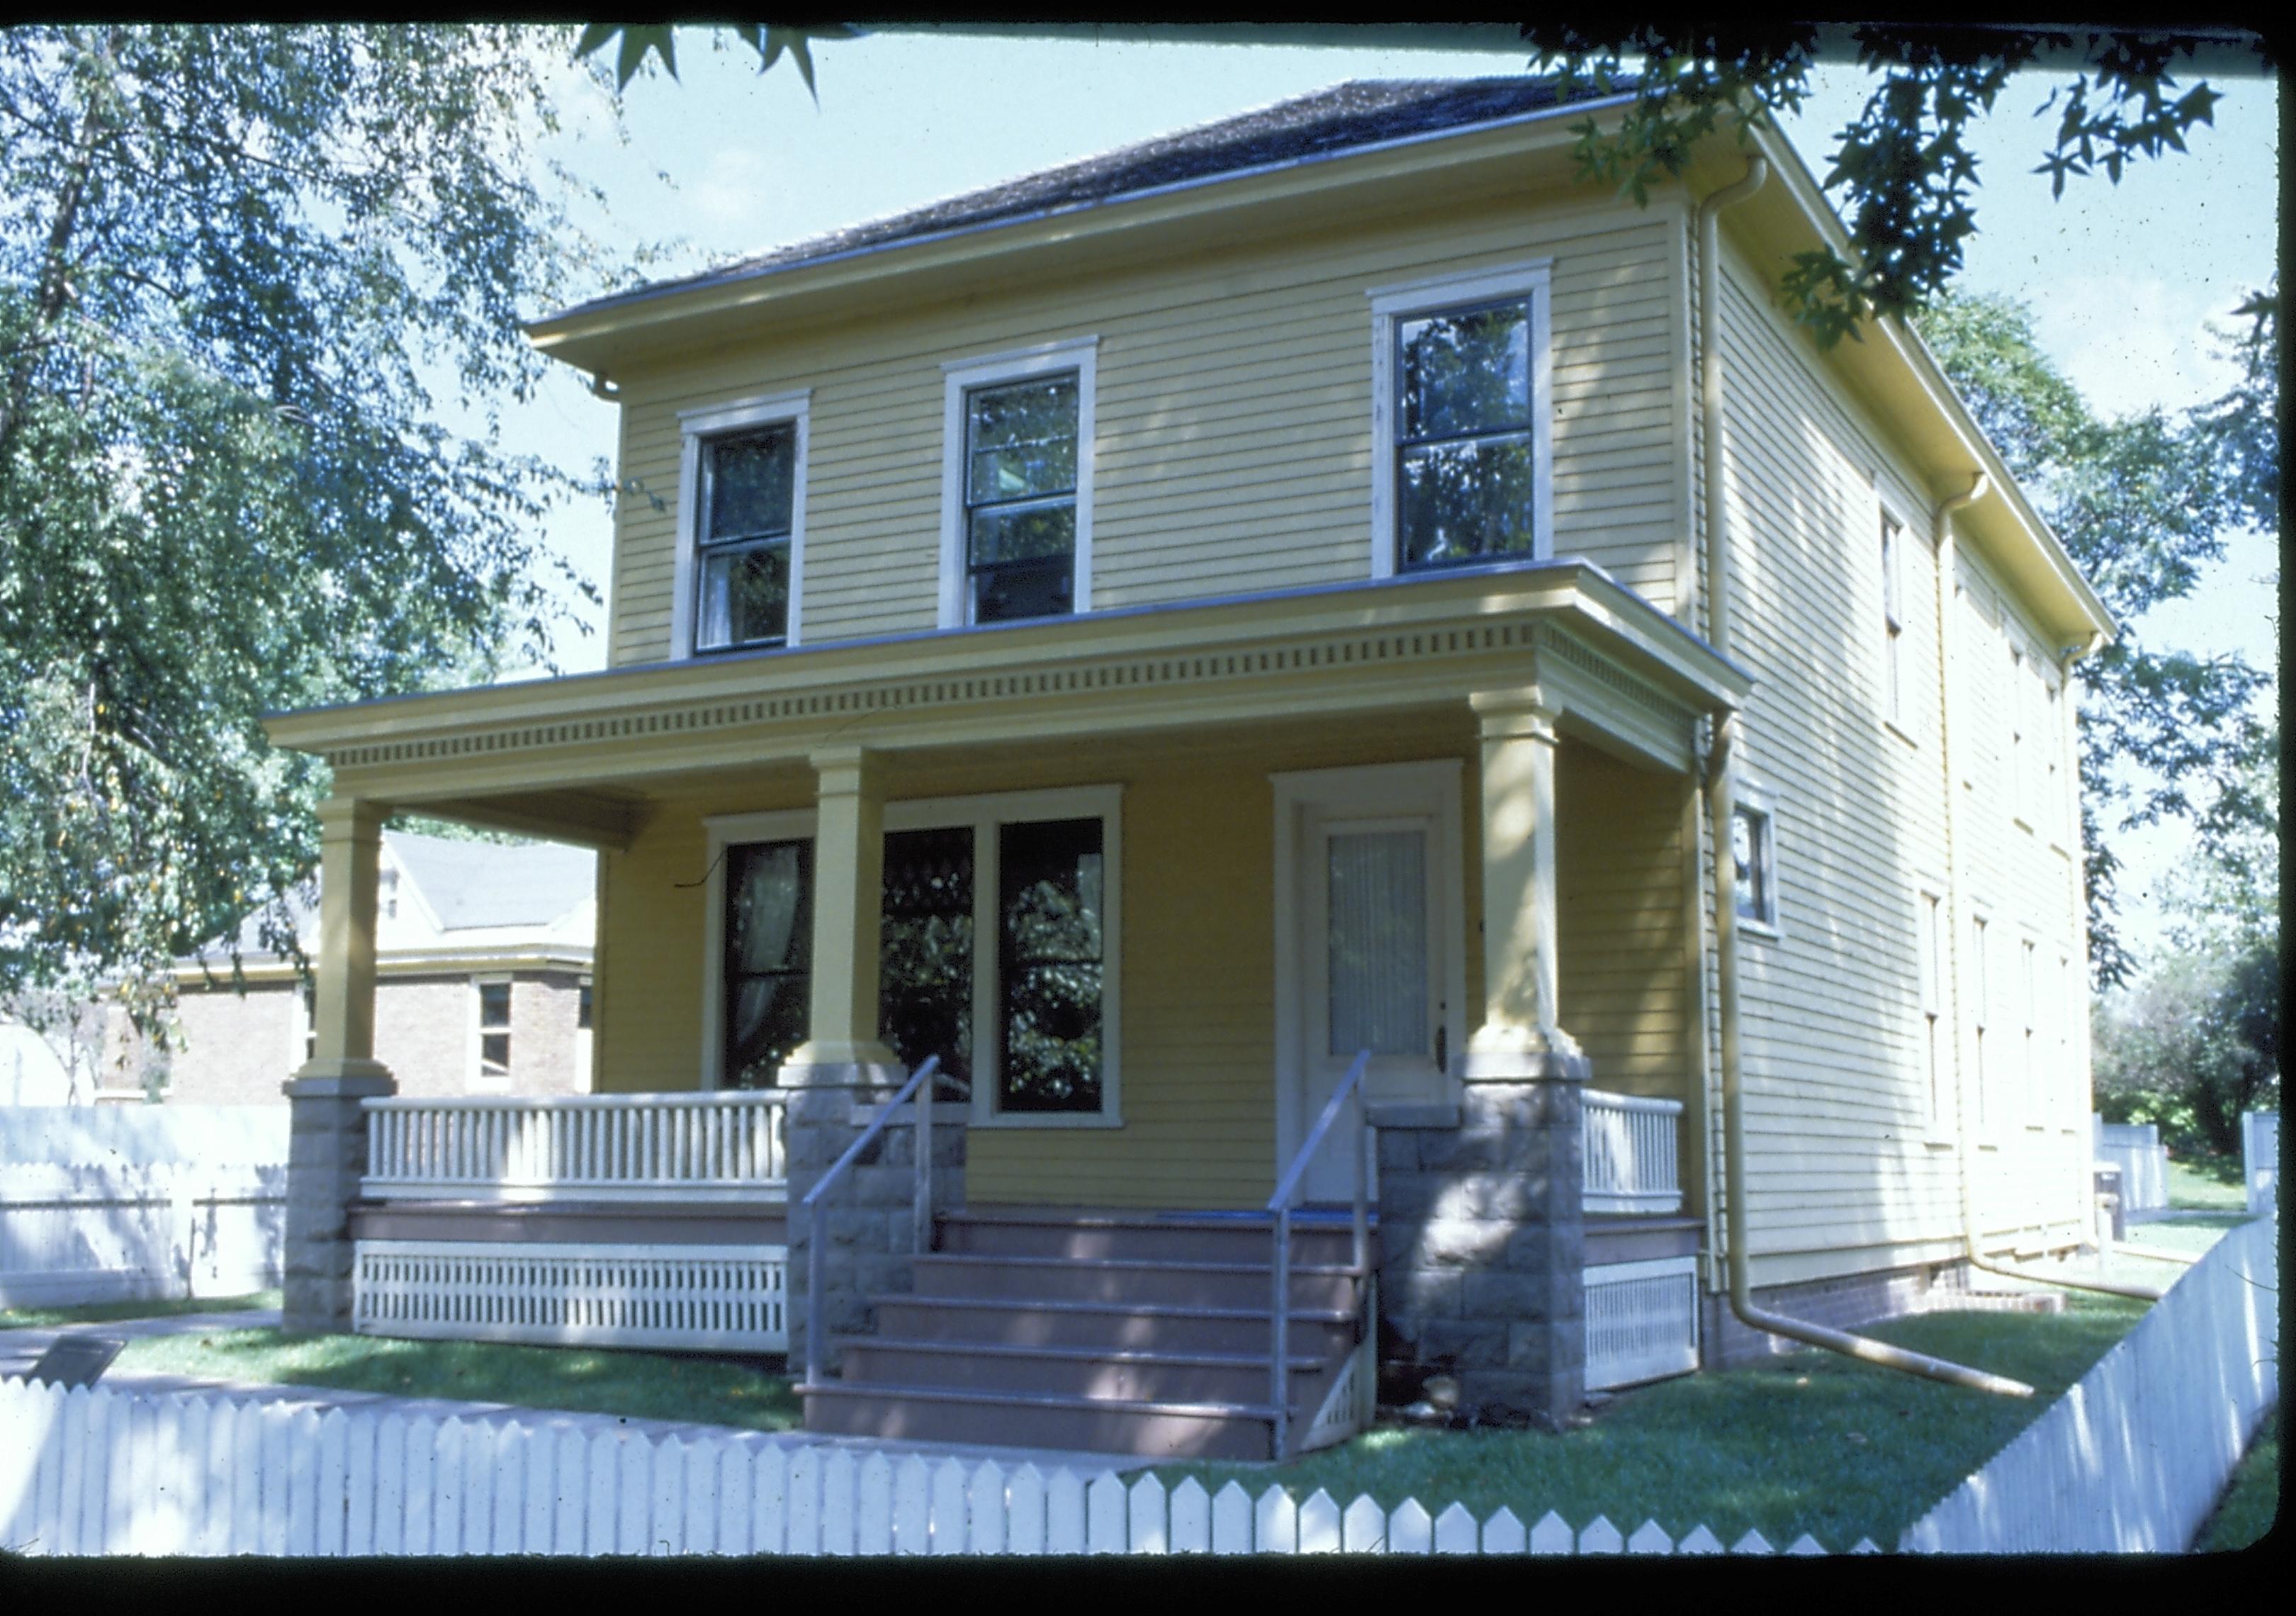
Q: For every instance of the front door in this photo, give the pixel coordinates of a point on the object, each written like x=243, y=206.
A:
x=1372, y=882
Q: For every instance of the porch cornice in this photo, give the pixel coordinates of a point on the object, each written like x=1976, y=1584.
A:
x=1622, y=666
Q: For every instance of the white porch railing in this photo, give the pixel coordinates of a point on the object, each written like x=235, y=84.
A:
x=1631, y=1154
x=583, y=1147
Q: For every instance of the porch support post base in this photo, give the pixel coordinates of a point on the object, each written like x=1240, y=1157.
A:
x=327, y=1157
x=1482, y=1281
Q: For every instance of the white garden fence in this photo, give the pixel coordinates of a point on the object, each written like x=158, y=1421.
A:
x=2260, y=1157
x=2136, y=1149
x=2134, y=1457
x=97, y=1473
x=140, y=1202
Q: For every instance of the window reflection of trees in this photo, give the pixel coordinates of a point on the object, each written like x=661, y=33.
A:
x=925, y=996
x=1465, y=449
x=1050, y=901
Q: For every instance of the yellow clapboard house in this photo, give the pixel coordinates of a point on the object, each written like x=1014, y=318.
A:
x=1232, y=648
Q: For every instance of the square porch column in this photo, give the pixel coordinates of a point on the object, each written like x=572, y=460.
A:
x=1482, y=1221
x=835, y=1077
x=326, y=1150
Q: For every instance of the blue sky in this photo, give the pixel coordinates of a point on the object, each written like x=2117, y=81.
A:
x=2125, y=280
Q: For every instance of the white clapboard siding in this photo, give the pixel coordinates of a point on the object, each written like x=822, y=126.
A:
x=95, y=1472
x=2136, y=1456
x=720, y=1298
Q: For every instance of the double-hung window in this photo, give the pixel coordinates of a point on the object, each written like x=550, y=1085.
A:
x=1460, y=464
x=1016, y=539
x=742, y=514
x=494, y=1031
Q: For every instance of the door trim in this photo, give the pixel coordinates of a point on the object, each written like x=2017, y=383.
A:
x=1433, y=785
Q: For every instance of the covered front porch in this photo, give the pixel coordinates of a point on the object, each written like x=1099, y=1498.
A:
x=1143, y=884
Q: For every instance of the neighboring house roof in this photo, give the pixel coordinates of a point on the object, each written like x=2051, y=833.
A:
x=471, y=884
x=1361, y=112
x=456, y=896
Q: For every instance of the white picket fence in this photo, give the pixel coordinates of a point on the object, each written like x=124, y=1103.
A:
x=2134, y=1457
x=140, y=1202
x=93, y=1472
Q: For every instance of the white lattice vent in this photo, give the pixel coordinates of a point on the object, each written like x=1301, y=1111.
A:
x=1642, y=1321
x=702, y=1298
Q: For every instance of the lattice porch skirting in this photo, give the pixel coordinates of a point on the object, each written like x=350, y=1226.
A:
x=727, y=1298
x=1642, y=1321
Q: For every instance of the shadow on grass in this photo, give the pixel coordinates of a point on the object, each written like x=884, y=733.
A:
x=643, y=1385
x=1808, y=1442
x=112, y=1312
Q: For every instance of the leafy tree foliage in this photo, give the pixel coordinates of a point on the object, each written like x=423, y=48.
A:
x=235, y=266
x=2195, y=1045
x=2144, y=505
x=1903, y=168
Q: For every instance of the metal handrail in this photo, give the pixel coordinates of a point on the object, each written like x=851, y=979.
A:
x=1279, y=1206
x=817, y=1210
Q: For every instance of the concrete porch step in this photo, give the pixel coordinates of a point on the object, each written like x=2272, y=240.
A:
x=1142, y=1236
x=1099, y=1373
x=1183, y=1282
x=1164, y=1430
x=1148, y=1326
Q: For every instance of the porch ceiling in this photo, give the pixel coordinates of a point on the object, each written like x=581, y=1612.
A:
x=575, y=758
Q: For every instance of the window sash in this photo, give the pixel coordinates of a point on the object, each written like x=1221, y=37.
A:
x=719, y=556
x=997, y=585
x=1501, y=429
x=1754, y=873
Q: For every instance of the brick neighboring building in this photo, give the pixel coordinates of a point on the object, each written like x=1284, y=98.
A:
x=484, y=957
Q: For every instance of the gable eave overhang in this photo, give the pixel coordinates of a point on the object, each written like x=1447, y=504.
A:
x=609, y=333
x=1893, y=370
x=1330, y=650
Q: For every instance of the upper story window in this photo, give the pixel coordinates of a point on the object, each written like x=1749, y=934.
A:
x=1461, y=469
x=1893, y=622
x=1016, y=538
x=742, y=515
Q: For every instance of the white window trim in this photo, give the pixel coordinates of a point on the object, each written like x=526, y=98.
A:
x=960, y=376
x=1931, y=889
x=697, y=426
x=480, y=1082
x=983, y=814
x=1751, y=795
x=1987, y=1110
x=1895, y=692
x=2031, y=1099
x=1532, y=278
x=724, y=830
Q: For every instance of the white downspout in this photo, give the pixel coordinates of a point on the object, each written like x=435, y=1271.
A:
x=1964, y=1155
x=1721, y=793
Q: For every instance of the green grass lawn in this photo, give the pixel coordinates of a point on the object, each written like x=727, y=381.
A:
x=647, y=1385
x=2252, y=1500
x=107, y=1312
x=1810, y=1442
x=2206, y=1184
